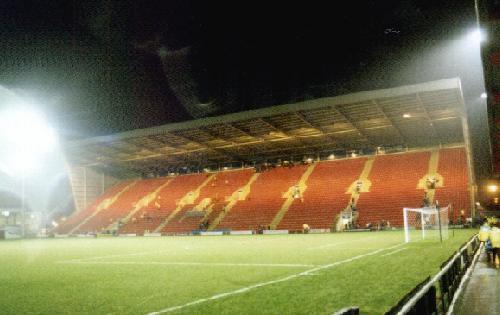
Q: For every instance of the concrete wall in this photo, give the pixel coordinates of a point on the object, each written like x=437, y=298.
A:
x=88, y=184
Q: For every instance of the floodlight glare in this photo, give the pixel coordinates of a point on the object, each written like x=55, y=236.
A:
x=27, y=128
x=20, y=162
x=477, y=36
x=492, y=188
x=25, y=137
x=484, y=95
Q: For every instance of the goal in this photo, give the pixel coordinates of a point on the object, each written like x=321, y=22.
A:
x=426, y=223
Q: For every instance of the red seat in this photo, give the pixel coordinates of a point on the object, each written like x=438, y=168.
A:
x=394, y=181
x=150, y=217
x=122, y=206
x=325, y=195
x=222, y=186
x=77, y=217
x=264, y=200
x=453, y=167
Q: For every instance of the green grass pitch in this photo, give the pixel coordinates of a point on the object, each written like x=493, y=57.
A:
x=260, y=274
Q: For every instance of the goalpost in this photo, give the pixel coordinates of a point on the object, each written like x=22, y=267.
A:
x=426, y=223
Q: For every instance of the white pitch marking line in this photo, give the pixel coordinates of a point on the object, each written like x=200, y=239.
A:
x=184, y=263
x=262, y=284
x=327, y=245
x=111, y=256
x=393, y=252
x=339, y=243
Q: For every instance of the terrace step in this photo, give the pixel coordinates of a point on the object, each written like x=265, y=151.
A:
x=289, y=195
x=455, y=188
x=143, y=202
x=432, y=173
x=325, y=196
x=355, y=193
x=189, y=198
x=394, y=180
x=240, y=194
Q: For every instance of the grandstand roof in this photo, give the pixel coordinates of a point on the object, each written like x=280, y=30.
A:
x=425, y=114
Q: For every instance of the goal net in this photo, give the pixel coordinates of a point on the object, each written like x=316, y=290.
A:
x=426, y=223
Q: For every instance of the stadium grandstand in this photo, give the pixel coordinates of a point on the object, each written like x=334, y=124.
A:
x=280, y=167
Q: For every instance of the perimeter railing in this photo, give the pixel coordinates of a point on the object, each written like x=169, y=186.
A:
x=437, y=295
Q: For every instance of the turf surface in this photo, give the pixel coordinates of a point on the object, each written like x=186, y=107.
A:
x=141, y=275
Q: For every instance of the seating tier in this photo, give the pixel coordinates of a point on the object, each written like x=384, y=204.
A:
x=151, y=216
x=122, y=206
x=394, y=180
x=453, y=167
x=78, y=217
x=221, y=187
x=326, y=195
x=264, y=200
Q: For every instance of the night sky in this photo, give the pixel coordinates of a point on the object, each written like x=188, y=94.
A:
x=96, y=68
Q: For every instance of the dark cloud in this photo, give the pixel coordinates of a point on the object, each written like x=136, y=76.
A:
x=95, y=65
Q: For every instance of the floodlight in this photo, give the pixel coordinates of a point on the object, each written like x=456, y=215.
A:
x=477, y=36
x=492, y=188
x=25, y=138
x=406, y=115
x=27, y=128
x=484, y=95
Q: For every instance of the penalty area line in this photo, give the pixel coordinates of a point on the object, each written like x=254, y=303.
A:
x=393, y=252
x=263, y=284
x=340, y=243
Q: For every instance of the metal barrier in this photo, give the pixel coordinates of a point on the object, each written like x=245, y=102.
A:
x=434, y=296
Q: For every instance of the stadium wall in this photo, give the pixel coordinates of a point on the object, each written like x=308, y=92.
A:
x=87, y=184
